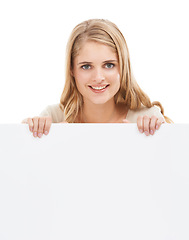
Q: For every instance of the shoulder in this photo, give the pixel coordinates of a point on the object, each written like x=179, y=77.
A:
x=132, y=115
x=55, y=112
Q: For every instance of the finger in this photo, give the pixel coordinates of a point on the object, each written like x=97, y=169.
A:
x=153, y=122
x=159, y=122
x=125, y=121
x=47, y=126
x=146, y=125
x=35, y=126
x=41, y=124
x=30, y=123
x=140, y=124
x=25, y=120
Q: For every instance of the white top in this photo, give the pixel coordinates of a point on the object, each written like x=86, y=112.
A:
x=57, y=114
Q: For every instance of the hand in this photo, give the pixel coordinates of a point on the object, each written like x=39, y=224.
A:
x=39, y=125
x=149, y=125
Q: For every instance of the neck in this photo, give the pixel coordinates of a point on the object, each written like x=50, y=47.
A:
x=101, y=113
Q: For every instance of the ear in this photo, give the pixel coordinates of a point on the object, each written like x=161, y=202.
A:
x=71, y=72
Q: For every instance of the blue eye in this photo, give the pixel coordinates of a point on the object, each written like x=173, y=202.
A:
x=109, y=65
x=86, y=67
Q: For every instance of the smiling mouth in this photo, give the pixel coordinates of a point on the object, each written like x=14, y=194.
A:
x=99, y=87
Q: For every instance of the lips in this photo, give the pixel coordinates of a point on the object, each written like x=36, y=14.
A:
x=99, y=87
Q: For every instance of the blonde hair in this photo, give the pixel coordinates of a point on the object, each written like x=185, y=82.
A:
x=105, y=32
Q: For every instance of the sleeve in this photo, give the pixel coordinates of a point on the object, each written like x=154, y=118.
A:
x=153, y=111
x=53, y=111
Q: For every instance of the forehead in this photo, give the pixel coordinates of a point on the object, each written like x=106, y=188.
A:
x=94, y=51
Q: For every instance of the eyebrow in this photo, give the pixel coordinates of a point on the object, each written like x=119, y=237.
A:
x=107, y=61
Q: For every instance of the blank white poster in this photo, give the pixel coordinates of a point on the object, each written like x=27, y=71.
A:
x=94, y=181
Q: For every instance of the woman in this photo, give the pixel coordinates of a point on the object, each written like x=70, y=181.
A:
x=100, y=86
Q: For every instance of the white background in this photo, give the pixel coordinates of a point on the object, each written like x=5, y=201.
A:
x=33, y=37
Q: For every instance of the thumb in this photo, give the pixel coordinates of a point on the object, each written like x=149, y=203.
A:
x=125, y=121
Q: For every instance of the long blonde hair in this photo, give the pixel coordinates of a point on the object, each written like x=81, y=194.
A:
x=105, y=32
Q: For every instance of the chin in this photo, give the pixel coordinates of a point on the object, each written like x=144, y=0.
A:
x=100, y=101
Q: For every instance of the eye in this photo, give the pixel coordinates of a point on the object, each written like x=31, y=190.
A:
x=86, y=67
x=109, y=65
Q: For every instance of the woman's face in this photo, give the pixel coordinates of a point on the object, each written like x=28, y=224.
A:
x=96, y=73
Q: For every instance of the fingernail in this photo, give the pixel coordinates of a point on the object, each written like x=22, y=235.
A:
x=35, y=134
x=141, y=130
x=151, y=132
x=31, y=129
x=39, y=135
x=46, y=132
x=146, y=132
x=157, y=127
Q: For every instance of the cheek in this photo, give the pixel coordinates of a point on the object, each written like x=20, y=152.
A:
x=77, y=77
x=117, y=81
x=80, y=77
x=113, y=75
x=116, y=78
x=81, y=82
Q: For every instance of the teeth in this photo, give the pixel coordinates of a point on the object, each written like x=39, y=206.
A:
x=98, y=88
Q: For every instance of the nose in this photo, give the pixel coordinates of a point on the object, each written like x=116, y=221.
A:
x=98, y=75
